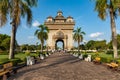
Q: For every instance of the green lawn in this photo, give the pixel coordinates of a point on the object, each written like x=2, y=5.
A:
x=19, y=55
x=104, y=57
x=22, y=55
x=101, y=54
x=3, y=56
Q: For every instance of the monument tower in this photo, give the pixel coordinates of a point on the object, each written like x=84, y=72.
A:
x=60, y=29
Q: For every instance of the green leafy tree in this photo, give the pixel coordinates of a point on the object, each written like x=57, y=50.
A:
x=100, y=45
x=32, y=47
x=42, y=34
x=78, y=36
x=109, y=45
x=15, y=9
x=82, y=47
x=4, y=41
x=118, y=42
x=90, y=44
x=23, y=47
x=28, y=47
x=111, y=7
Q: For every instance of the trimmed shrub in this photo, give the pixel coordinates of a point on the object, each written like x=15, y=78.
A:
x=85, y=55
x=95, y=55
x=109, y=52
x=106, y=60
x=27, y=53
x=25, y=59
x=36, y=55
x=118, y=61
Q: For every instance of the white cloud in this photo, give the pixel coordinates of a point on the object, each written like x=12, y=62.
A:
x=99, y=39
x=31, y=37
x=35, y=23
x=97, y=34
x=85, y=41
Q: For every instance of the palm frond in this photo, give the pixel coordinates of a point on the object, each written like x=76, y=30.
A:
x=42, y=33
x=104, y=6
x=100, y=7
x=4, y=9
x=25, y=10
x=31, y=2
x=16, y=14
x=36, y=32
x=78, y=34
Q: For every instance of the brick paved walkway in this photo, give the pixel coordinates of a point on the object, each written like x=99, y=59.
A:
x=61, y=66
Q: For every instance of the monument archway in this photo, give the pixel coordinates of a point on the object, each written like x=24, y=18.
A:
x=60, y=29
x=59, y=36
x=59, y=46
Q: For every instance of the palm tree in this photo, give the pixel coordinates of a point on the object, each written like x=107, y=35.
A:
x=42, y=34
x=111, y=7
x=15, y=9
x=78, y=36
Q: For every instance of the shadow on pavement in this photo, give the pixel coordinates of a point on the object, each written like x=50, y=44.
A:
x=58, y=60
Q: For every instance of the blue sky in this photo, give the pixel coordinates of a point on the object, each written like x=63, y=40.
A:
x=81, y=10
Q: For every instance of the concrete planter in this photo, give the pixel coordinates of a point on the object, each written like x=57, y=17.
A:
x=30, y=60
x=46, y=55
x=74, y=55
x=88, y=59
x=42, y=56
x=81, y=57
x=49, y=54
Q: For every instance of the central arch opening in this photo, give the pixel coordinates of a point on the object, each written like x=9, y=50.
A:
x=59, y=45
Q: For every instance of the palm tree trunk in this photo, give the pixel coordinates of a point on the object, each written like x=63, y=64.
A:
x=12, y=42
x=41, y=47
x=114, y=34
x=78, y=46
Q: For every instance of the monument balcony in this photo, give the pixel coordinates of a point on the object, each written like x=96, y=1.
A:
x=60, y=37
x=59, y=23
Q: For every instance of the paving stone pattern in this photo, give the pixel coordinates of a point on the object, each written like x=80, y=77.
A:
x=63, y=66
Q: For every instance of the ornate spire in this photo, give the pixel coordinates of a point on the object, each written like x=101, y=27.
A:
x=59, y=13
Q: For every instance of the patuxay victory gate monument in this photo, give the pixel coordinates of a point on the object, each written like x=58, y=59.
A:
x=60, y=29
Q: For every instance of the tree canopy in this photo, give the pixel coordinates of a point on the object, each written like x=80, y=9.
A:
x=42, y=34
x=4, y=42
x=97, y=45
